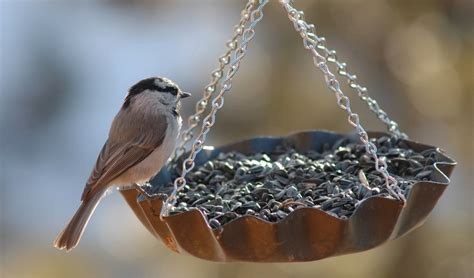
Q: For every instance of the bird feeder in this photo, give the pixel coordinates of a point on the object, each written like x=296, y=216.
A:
x=304, y=197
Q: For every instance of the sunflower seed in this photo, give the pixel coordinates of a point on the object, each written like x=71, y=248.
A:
x=335, y=179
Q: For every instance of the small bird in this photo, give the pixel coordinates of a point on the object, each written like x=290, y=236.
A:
x=141, y=139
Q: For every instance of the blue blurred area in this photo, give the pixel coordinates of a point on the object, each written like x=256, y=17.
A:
x=66, y=66
x=66, y=73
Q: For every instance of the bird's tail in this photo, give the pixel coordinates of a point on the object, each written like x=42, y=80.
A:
x=70, y=236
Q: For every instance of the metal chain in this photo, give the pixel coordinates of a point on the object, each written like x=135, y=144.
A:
x=217, y=75
x=310, y=43
x=217, y=103
x=361, y=91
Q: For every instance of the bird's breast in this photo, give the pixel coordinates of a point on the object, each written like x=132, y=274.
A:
x=151, y=165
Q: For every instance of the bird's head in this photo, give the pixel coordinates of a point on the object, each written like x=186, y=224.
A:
x=165, y=90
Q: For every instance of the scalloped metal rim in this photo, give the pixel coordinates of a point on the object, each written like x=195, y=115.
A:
x=374, y=222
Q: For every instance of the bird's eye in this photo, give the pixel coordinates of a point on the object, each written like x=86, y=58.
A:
x=171, y=90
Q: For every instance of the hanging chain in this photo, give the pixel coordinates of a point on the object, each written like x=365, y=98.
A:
x=361, y=91
x=217, y=75
x=311, y=43
x=217, y=103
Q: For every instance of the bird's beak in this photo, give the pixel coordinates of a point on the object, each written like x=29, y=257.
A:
x=184, y=94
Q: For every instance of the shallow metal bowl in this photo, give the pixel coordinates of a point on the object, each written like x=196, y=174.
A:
x=306, y=234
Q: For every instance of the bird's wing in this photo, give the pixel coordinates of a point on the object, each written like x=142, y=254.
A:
x=117, y=157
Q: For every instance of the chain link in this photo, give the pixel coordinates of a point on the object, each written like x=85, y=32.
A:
x=310, y=41
x=217, y=103
x=361, y=91
x=217, y=75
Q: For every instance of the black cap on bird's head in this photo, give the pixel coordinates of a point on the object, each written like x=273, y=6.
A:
x=155, y=84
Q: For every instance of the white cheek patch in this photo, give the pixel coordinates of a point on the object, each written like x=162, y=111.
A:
x=169, y=98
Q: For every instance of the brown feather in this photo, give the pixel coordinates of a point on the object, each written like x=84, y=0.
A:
x=118, y=156
x=134, y=152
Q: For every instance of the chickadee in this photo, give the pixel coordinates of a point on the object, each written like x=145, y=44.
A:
x=142, y=137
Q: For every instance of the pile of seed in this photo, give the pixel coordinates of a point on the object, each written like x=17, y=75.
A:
x=271, y=185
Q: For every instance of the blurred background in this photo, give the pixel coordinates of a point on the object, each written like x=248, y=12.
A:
x=66, y=66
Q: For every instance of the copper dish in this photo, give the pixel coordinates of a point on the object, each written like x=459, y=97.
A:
x=307, y=234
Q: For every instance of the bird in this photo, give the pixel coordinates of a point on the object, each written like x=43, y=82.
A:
x=141, y=138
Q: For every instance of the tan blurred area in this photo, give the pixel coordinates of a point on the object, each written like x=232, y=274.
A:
x=65, y=68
